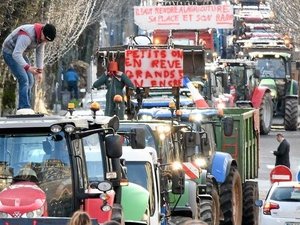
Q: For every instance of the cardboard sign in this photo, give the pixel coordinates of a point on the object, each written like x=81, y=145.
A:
x=154, y=67
x=184, y=17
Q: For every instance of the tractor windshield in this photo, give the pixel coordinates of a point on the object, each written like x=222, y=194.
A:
x=41, y=158
x=140, y=173
x=93, y=155
x=271, y=68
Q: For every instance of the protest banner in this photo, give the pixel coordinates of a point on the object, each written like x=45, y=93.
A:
x=154, y=67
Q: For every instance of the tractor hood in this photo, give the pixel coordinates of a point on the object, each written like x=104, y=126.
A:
x=269, y=83
x=20, y=198
x=135, y=200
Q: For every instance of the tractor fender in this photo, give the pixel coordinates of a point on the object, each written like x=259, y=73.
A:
x=187, y=203
x=292, y=89
x=220, y=166
x=258, y=95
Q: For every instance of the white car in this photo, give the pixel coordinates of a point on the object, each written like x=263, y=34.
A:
x=282, y=204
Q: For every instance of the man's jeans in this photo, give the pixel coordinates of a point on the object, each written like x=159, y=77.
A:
x=73, y=89
x=25, y=80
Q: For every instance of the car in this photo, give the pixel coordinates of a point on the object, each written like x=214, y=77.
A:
x=281, y=205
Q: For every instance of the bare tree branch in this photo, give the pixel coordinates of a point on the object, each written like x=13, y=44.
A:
x=286, y=17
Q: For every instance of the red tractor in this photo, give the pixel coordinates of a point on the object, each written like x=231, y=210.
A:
x=51, y=166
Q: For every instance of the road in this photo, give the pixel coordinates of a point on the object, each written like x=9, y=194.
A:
x=269, y=143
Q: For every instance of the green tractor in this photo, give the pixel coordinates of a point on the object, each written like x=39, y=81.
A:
x=275, y=73
x=239, y=79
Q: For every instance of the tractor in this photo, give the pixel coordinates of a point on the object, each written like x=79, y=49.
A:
x=55, y=165
x=275, y=68
x=240, y=79
x=216, y=143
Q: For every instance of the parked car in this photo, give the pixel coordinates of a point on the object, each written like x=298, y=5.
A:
x=281, y=205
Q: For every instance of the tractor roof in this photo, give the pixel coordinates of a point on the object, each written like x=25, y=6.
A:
x=39, y=121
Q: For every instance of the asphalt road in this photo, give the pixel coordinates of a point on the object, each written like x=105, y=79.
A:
x=269, y=143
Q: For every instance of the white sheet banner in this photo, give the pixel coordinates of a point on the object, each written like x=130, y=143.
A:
x=183, y=17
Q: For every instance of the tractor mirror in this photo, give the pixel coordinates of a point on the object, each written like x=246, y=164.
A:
x=228, y=126
x=113, y=146
x=190, y=140
x=137, y=138
x=114, y=123
x=178, y=181
x=257, y=74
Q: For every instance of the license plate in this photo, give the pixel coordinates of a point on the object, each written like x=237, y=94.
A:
x=292, y=223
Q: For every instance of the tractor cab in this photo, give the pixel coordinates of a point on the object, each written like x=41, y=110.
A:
x=56, y=165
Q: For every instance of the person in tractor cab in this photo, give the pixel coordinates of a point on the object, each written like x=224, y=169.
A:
x=25, y=174
x=268, y=70
x=115, y=82
x=21, y=40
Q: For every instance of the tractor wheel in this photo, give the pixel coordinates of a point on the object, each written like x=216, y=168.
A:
x=266, y=114
x=250, y=211
x=206, y=211
x=231, y=198
x=212, y=189
x=179, y=220
x=291, y=114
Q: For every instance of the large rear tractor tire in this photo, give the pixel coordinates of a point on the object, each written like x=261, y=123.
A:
x=266, y=114
x=212, y=189
x=206, y=211
x=291, y=114
x=250, y=211
x=231, y=198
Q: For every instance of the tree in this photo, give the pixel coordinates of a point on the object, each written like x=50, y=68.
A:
x=286, y=17
x=71, y=19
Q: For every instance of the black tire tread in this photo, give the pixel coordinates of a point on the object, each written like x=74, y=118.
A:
x=226, y=196
x=206, y=211
x=250, y=211
x=265, y=128
x=291, y=114
x=212, y=189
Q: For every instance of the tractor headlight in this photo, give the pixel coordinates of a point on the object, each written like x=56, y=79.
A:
x=104, y=186
x=3, y=215
x=201, y=163
x=195, y=117
x=176, y=166
x=69, y=128
x=273, y=94
x=35, y=213
x=56, y=128
x=162, y=136
x=106, y=208
x=146, y=117
x=163, y=129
